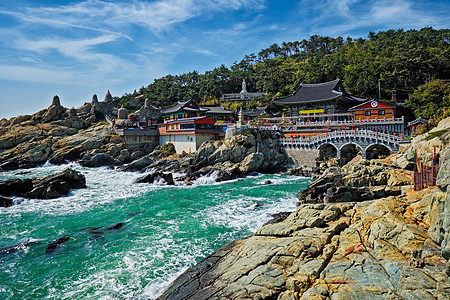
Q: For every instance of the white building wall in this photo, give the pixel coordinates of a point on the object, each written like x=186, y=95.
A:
x=200, y=139
x=182, y=142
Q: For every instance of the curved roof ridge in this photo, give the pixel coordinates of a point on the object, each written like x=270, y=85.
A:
x=321, y=83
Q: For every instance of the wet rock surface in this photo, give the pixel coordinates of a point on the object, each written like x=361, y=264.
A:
x=156, y=177
x=49, y=187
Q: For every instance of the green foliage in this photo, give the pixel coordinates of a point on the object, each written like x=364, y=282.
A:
x=432, y=135
x=430, y=99
x=166, y=150
x=399, y=59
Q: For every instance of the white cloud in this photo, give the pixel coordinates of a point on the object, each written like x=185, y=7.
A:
x=34, y=75
x=154, y=15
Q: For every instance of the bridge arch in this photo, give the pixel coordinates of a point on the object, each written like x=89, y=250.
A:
x=328, y=150
x=377, y=150
x=348, y=151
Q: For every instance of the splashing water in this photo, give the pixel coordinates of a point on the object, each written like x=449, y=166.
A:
x=166, y=230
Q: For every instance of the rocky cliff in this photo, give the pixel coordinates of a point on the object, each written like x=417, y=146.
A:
x=252, y=151
x=359, y=232
x=28, y=141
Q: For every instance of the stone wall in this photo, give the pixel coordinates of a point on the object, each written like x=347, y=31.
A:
x=302, y=157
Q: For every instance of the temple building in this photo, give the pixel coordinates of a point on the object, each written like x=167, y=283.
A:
x=379, y=115
x=187, y=109
x=319, y=108
x=188, y=134
x=320, y=102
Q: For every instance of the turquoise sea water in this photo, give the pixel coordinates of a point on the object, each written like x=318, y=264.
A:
x=166, y=230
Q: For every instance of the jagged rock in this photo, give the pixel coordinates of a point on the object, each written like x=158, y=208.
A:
x=100, y=159
x=57, y=185
x=54, y=113
x=9, y=165
x=152, y=177
x=443, y=178
x=252, y=162
x=368, y=250
x=124, y=156
x=359, y=180
x=138, y=153
x=140, y=163
x=51, y=247
x=10, y=187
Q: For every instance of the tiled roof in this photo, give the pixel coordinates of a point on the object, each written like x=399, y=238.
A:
x=307, y=93
x=182, y=106
x=216, y=109
x=257, y=111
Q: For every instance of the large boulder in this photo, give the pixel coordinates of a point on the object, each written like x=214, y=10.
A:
x=57, y=185
x=100, y=159
x=16, y=186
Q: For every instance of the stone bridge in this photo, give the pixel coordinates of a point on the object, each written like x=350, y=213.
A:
x=364, y=140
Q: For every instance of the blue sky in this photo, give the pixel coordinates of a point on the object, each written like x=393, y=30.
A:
x=75, y=49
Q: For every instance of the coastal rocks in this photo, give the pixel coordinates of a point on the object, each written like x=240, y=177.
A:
x=236, y=156
x=371, y=250
x=98, y=160
x=157, y=177
x=16, y=187
x=49, y=187
x=359, y=180
x=424, y=145
x=51, y=247
x=57, y=185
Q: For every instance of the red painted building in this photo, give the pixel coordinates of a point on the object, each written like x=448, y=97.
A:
x=189, y=133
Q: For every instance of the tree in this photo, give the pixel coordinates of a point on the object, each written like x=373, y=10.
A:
x=430, y=99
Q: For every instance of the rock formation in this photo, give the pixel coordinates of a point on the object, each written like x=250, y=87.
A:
x=49, y=187
x=373, y=238
x=55, y=111
x=234, y=157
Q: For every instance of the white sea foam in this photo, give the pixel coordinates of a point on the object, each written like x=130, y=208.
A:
x=140, y=260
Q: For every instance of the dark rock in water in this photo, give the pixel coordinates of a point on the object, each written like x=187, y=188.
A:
x=115, y=226
x=11, y=187
x=57, y=188
x=97, y=234
x=57, y=243
x=267, y=182
x=9, y=165
x=5, y=202
x=150, y=178
x=137, y=213
x=57, y=185
x=100, y=159
x=8, y=250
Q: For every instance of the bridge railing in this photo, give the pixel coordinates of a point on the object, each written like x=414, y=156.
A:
x=358, y=134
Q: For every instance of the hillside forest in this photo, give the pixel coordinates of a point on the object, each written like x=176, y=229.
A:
x=413, y=62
